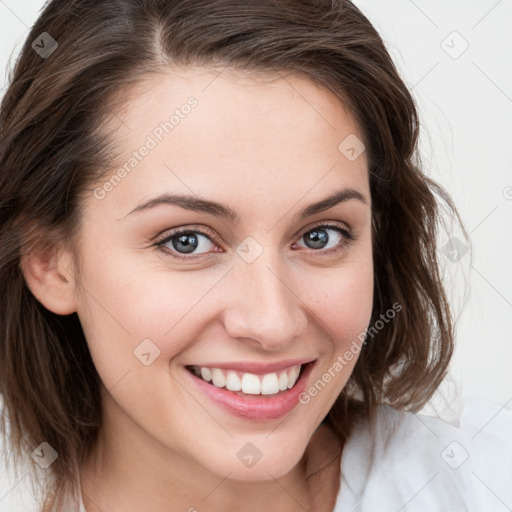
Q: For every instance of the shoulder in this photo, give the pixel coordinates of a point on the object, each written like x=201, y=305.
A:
x=420, y=462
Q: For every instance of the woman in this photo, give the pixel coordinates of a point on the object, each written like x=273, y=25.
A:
x=219, y=257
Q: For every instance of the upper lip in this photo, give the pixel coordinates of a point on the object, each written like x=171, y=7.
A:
x=256, y=368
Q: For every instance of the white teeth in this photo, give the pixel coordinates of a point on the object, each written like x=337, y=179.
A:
x=233, y=381
x=293, y=376
x=269, y=384
x=283, y=381
x=249, y=383
x=218, y=378
x=206, y=374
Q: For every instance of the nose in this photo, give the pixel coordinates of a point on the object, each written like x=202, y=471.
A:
x=264, y=308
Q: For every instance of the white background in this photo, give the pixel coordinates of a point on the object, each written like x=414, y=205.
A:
x=465, y=105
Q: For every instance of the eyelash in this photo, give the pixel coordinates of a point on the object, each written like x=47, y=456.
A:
x=348, y=238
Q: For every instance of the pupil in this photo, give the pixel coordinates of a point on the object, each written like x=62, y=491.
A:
x=319, y=238
x=188, y=243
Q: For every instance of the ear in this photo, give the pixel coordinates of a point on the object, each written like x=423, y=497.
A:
x=48, y=275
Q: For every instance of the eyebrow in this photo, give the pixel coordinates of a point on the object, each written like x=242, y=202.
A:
x=196, y=204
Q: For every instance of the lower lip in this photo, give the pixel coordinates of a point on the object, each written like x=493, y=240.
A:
x=256, y=407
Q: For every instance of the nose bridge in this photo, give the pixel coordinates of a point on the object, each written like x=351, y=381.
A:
x=264, y=308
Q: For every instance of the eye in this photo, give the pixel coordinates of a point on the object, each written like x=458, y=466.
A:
x=179, y=243
x=327, y=237
x=187, y=244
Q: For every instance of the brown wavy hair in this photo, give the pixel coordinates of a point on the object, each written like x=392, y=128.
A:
x=54, y=146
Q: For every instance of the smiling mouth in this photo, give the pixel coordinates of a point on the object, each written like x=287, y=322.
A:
x=246, y=384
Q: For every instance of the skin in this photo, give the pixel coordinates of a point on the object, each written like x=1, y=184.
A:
x=266, y=148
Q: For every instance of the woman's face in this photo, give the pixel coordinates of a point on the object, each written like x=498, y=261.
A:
x=205, y=251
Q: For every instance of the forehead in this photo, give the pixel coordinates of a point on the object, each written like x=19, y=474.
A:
x=212, y=132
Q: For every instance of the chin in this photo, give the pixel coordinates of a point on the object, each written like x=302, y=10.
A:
x=258, y=457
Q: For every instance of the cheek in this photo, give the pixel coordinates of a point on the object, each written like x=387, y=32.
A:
x=343, y=301
x=344, y=312
x=126, y=303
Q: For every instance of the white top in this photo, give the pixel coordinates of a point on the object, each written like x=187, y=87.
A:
x=421, y=464
x=429, y=465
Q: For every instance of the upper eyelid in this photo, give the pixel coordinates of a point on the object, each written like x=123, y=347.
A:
x=326, y=223
x=170, y=233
